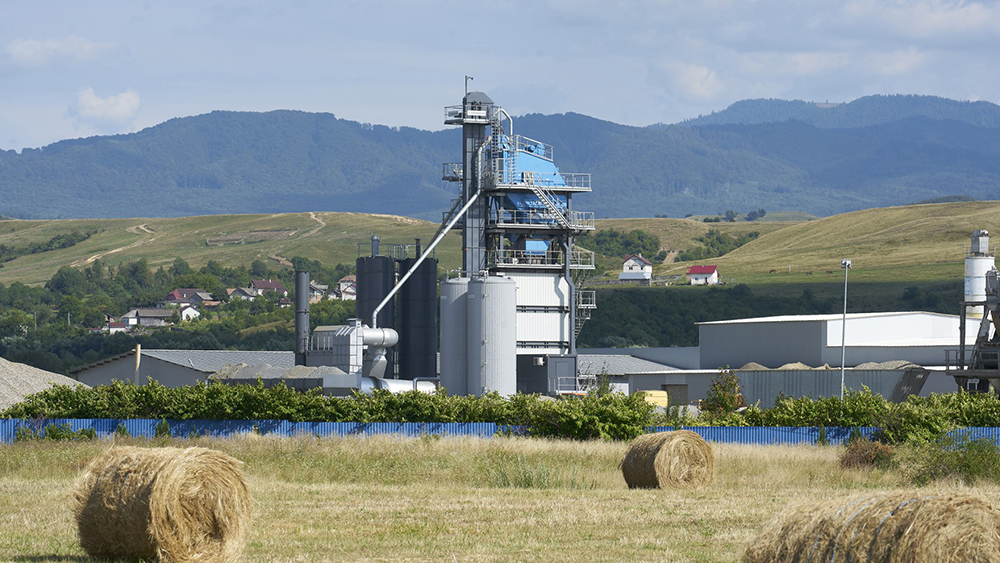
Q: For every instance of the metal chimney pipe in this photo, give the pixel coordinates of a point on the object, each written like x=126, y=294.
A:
x=374, y=245
x=301, y=317
x=418, y=247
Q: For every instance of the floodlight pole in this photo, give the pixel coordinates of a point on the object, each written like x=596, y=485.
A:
x=846, y=265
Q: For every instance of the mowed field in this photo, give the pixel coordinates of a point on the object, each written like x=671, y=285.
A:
x=918, y=243
x=457, y=500
x=231, y=240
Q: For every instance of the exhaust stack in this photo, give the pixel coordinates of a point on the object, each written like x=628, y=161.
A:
x=301, y=317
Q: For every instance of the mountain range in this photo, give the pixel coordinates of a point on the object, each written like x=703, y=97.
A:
x=773, y=154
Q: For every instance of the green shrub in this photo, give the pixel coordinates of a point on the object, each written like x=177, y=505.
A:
x=162, y=429
x=971, y=460
x=723, y=395
x=55, y=432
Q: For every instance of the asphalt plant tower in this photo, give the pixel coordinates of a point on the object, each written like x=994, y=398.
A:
x=518, y=226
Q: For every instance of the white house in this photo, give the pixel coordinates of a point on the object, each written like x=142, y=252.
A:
x=241, y=293
x=703, y=275
x=347, y=288
x=189, y=313
x=636, y=268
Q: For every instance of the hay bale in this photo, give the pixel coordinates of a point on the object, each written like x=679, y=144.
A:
x=678, y=459
x=911, y=527
x=171, y=504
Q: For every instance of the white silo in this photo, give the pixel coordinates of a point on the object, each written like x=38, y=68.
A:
x=492, y=329
x=978, y=260
x=454, y=336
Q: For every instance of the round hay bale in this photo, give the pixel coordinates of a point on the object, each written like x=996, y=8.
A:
x=678, y=459
x=169, y=504
x=908, y=527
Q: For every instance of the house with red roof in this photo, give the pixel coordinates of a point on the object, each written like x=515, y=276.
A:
x=636, y=268
x=703, y=275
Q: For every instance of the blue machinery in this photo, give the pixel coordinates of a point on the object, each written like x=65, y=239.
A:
x=517, y=221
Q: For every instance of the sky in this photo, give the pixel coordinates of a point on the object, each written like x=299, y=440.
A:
x=71, y=69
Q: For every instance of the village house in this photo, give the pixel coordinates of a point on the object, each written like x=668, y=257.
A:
x=703, y=275
x=260, y=287
x=317, y=291
x=636, y=268
x=240, y=293
x=347, y=289
x=148, y=316
x=189, y=313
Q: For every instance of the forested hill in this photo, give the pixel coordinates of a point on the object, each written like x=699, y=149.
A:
x=863, y=112
x=290, y=161
x=233, y=162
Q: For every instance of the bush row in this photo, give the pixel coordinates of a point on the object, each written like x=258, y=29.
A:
x=915, y=419
x=606, y=416
x=597, y=415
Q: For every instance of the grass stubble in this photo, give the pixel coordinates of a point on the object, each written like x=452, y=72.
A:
x=457, y=499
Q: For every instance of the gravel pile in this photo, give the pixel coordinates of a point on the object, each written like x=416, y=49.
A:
x=890, y=365
x=17, y=381
x=267, y=371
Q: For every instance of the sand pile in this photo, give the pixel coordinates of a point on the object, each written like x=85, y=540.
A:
x=17, y=381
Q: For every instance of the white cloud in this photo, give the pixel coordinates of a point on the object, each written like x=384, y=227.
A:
x=694, y=80
x=898, y=62
x=109, y=114
x=32, y=52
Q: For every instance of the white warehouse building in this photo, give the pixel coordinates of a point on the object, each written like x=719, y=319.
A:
x=918, y=337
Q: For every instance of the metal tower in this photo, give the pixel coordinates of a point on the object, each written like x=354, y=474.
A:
x=521, y=225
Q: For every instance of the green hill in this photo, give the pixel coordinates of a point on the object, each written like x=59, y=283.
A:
x=863, y=112
x=900, y=150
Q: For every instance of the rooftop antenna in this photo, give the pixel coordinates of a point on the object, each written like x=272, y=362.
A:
x=467, y=79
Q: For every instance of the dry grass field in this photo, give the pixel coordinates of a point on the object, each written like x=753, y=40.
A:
x=456, y=500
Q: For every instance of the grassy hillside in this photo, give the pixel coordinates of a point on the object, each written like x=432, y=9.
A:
x=915, y=243
x=230, y=240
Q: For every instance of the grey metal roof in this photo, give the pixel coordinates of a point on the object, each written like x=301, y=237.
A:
x=618, y=364
x=150, y=312
x=480, y=97
x=824, y=317
x=210, y=361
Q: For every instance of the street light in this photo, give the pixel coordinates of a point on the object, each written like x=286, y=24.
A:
x=846, y=265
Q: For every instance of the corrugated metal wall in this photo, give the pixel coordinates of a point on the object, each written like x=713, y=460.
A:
x=146, y=428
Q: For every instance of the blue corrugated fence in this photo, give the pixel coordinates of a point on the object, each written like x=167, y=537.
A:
x=146, y=428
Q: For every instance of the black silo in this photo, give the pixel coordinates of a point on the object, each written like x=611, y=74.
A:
x=418, y=320
x=375, y=277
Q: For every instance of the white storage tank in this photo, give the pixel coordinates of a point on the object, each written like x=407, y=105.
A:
x=492, y=329
x=978, y=261
x=454, y=336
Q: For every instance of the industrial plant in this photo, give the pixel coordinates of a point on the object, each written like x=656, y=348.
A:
x=511, y=315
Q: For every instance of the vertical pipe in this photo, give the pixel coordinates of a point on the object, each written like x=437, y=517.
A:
x=843, y=334
x=301, y=317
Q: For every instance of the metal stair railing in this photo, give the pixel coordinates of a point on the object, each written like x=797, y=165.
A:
x=586, y=302
x=547, y=201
